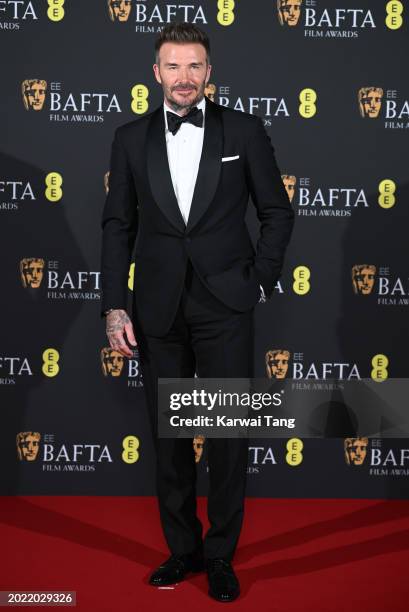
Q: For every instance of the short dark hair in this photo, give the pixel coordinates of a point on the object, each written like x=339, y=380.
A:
x=182, y=32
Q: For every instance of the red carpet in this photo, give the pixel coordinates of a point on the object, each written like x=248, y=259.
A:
x=294, y=555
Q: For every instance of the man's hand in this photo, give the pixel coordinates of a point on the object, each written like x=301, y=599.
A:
x=119, y=327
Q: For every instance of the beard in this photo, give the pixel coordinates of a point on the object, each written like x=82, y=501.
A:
x=185, y=106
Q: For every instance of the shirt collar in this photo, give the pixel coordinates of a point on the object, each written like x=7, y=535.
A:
x=201, y=105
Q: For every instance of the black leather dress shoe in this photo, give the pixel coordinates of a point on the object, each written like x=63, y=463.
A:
x=223, y=583
x=175, y=568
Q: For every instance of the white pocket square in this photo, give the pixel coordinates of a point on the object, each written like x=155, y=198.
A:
x=230, y=158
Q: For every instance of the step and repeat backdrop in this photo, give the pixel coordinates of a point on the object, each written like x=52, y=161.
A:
x=328, y=80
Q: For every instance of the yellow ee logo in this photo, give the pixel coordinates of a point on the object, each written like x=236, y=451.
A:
x=139, y=95
x=51, y=358
x=131, y=276
x=379, y=371
x=394, y=10
x=53, y=182
x=55, y=11
x=301, y=284
x=130, y=454
x=294, y=455
x=387, y=189
x=225, y=14
x=307, y=108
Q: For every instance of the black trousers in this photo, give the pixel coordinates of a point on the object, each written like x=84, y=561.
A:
x=212, y=340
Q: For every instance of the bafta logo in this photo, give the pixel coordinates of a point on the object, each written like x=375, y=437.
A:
x=289, y=183
x=198, y=444
x=370, y=99
x=112, y=362
x=119, y=10
x=210, y=91
x=355, y=450
x=288, y=12
x=28, y=443
x=33, y=91
x=31, y=272
x=363, y=278
x=106, y=182
x=277, y=363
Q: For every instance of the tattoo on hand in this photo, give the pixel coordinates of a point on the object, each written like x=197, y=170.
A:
x=119, y=329
x=116, y=321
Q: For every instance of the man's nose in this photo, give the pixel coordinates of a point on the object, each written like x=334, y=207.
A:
x=184, y=76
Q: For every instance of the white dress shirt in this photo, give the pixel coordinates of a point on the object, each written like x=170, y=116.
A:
x=184, y=152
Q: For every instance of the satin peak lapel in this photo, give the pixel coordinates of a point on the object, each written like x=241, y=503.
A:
x=210, y=165
x=159, y=172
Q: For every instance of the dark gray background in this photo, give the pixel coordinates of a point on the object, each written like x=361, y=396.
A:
x=255, y=57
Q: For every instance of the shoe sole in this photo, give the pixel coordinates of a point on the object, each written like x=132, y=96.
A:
x=195, y=570
x=223, y=600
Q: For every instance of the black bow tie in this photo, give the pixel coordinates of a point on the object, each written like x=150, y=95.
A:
x=194, y=116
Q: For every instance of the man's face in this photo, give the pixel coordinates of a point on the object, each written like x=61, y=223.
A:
x=278, y=365
x=357, y=452
x=290, y=11
x=364, y=281
x=198, y=444
x=371, y=103
x=210, y=91
x=29, y=448
x=35, y=95
x=33, y=274
x=183, y=73
x=289, y=184
x=114, y=362
x=120, y=9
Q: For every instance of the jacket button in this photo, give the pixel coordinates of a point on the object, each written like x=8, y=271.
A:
x=187, y=239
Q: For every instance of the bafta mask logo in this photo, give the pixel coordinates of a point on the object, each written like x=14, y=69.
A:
x=289, y=183
x=33, y=91
x=198, y=444
x=112, y=362
x=370, y=99
x=210, y=91
x=28, y=443
x=106, y=182
x=277, y=363
x=31, y=272
x=363, y=278
x=355, y=450
x=119, y=10
x=289, y=12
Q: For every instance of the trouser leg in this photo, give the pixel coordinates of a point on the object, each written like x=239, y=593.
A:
x=172, y=356
x=222, y=341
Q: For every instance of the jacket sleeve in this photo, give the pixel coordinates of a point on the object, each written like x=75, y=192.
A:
x=119, y=225
x=273, y=206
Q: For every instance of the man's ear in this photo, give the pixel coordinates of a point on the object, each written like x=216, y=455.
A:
x=156, y=73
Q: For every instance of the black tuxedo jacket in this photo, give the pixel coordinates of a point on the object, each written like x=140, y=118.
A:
x=141, y=212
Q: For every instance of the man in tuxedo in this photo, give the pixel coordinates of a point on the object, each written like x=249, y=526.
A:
x=179, y=184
